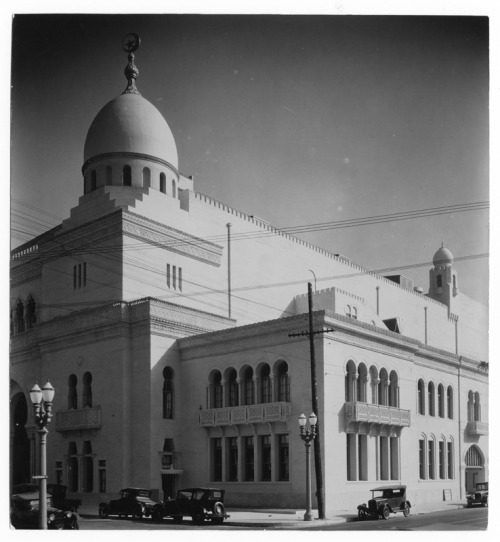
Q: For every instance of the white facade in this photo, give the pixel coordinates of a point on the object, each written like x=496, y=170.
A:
x=162, y=318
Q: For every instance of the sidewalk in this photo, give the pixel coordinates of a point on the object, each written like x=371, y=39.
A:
x=293, y=519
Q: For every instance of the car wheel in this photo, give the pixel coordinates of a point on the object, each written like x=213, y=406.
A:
x=157, y=514
x=406, y=510
x=484, y=503
x=469, y=504
x=103, y=512
x=386, y=512
x=73, y=525
x=361, y=514
x=138, y=511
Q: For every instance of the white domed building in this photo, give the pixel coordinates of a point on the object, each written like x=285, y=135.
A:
x=174, y=367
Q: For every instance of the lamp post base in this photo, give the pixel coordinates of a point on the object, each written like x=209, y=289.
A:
x=308, y=516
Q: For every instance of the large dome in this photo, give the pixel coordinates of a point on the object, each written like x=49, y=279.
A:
x=442, y=257
x=130, y=124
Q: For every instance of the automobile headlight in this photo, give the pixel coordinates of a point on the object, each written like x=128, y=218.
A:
x=52, y=517
x=68, y=514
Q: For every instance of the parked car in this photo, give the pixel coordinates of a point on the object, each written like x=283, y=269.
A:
x=385, y=500
x=24, y=513
x=59, y=499
x=198, y=503
x=133, y=501
x=480, y=496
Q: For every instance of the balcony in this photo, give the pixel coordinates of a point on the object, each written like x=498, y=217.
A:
x=476, y=428
x=380, y=414
x=78, y=419
x=267, y=412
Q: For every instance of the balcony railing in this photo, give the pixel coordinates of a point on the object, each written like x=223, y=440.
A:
x=78, y=419
x=477, y=428
x=381, y=414
x=266, y=412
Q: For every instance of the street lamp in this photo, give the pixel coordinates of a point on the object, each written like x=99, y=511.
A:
x=307, y=435
x=42, y=406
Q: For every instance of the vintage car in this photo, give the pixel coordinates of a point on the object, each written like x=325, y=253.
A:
x=385, y=501
x=59, y=499
x=24, y=513
x=198, y=503
x=133, y=501
x=480, y=496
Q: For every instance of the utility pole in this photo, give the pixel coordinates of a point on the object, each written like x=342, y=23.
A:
x=320, y=489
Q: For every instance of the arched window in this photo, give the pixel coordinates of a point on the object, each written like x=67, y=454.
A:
x=362, y=379
x=232, y=383
x=383, y=388
x=109, y=175
x=168, y=393
x=217, y=390
x=20, y=317
x=146, y=177
x=421, y=397
x=174, y=189
x=265, y=384
x=348, y=311
x=73, y=460
x=127, y=176
x=248, y=387
x=30, y=312
x=441, y=401
x=431, y=399
x=72, y=393
x=449, y=400
x=163, y=183
x=355, y=313
x=477, y=408
x=470, y=406
x=87, y=390
x=350, y=381
x=283, y=382
x=93, y=179
x=439, y=281
x=393, y=389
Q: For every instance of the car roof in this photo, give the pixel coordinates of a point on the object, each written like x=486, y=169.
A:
x=388, y=487
x=33, y=495
x=201, y=489
x=135, y=489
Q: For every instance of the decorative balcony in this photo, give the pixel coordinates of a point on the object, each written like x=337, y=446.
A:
x=477, y=428
x=379, y=414
x=78, y=419
x=266, y=412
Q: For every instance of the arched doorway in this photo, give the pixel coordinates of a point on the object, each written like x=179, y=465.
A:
x=474, y=468
x=20, y=444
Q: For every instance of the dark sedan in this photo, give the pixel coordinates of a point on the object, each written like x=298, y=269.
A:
x=25, y=513
x=133, y=501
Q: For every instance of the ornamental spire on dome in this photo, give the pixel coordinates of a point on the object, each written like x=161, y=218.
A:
x=130, y=43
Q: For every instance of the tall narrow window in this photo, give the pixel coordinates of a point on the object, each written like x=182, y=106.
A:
x=266, y=457
x=470, y=407
x=431, y=460
x=351, y=451
x=477, y=408
x=248, y=386
x=421, y=458
x=441, y=401
x=30, y=312
x=449, y=400
x=233, y=388
x=168, y=393
x=72, y=393
x=109, y=176
x=174, y=189
x=233, y=458
x=87, y=390
x=93, y=180
x=450, y=460
x=249, y=459
x=283, y=382
x=394, y=449
x=384, y=458
x=439, y=281
x=174, y=277
x=127, y=176
x=59, y=473
x=79, y=275
x=284, y=458
x=265, y=384
x=84, y=279
x=442, y=460
x=217, y=390
x=362, y=457
x=75, y=284
x=393, y=389
x=146, y=177
x=20, y=317
x=431, y=399
x=217, y=459
x=168, y=275
x=163, y=183
x=179, y=278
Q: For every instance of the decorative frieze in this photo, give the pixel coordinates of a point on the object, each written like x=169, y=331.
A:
x=266, y=412
x=78, y=419
x=357, y=412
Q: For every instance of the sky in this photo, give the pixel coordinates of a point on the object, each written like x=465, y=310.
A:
x=302, y=120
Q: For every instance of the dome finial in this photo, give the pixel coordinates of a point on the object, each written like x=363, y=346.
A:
x=130, y=43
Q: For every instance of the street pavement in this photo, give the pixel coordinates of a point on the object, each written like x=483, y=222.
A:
x=293, y=518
